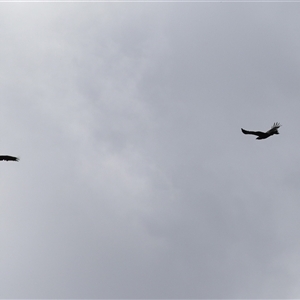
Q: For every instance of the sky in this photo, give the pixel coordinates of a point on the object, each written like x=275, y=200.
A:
x=134, y=179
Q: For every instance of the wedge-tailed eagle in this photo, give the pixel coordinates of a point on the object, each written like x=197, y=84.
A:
x=263, y=135
x=8, y=157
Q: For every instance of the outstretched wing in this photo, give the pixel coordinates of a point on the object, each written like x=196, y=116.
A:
x=276, y=125
x=258, y=133
x=274, y=128
x=8, y=157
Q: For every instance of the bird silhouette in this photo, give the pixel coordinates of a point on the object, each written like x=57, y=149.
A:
x=8, y=157
x=263, y=135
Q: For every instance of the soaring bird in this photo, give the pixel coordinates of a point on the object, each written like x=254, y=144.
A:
x=8, y=157
x=263, y=135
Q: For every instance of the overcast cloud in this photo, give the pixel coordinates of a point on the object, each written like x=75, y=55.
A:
x=134, y=179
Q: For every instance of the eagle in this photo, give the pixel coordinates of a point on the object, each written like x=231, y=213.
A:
x=8, y=157
x=263, y=135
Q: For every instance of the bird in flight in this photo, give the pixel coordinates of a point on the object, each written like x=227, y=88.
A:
x=8, y=157
x=263, y=135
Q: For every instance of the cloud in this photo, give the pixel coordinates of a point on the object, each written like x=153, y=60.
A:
x=135, y=180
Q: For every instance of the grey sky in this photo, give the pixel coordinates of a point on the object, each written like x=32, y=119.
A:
x=134, y=179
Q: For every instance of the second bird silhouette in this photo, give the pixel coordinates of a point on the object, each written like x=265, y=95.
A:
x=263, y=135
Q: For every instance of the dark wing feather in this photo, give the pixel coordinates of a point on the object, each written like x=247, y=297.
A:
x=8, y=158
x=258, y=133
x=274, y=129
x=276, y=125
